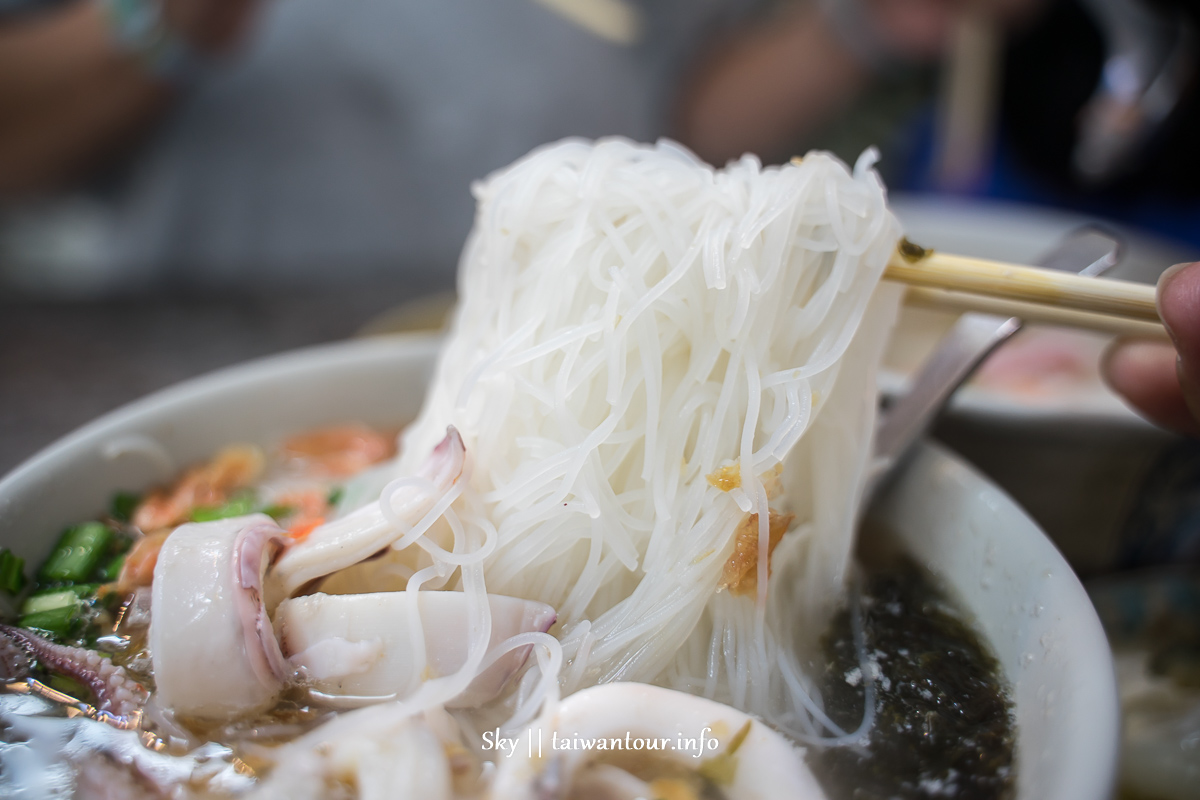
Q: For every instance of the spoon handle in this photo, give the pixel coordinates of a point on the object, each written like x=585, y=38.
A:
x=1087, y=251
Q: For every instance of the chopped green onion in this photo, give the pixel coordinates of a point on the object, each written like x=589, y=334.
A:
x=277, y=512
x=46, y=601
x=123, y=505
x=77, y=553
x=67, y=686
x=84, y=591
x=335, y=495
x=112, y=570
x=56, y=620
x=12, y=571
x=236, y=507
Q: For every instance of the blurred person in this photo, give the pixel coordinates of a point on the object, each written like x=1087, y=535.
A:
x=238, y=142
x=81, y=78
x=776, y=83
x=334, y=142
x=1099, y=111
x=1162, y=381
x=1092, y=106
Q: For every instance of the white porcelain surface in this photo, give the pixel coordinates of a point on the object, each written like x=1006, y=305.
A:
x=376, y=381
x=1008, y=576
x=1032, y=610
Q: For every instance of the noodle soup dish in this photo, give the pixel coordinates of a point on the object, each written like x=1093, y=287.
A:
x=1063, y=697
x=612, y=555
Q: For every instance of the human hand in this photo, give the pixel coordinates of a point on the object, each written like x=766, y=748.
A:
x=1160, y=381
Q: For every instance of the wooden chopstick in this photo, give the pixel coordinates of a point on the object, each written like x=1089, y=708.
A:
x=917, y=267
x=946, y=300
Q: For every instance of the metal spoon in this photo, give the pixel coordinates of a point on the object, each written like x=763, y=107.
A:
x=1089, y=251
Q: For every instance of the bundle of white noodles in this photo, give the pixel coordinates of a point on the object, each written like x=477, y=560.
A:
x=632, y=322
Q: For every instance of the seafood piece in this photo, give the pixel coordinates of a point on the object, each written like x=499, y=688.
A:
x=49, y=756
x=378, y=753
x=117, y=696
x=304, y=509
x=138, y=568
x=740, y=573
x=214, y=650
x=339, y=451
x=362, y=533
x=14, y=660
x=99, y=777
x=362, y=645
x=621, y=739
x=210, y=484
x=387, y=571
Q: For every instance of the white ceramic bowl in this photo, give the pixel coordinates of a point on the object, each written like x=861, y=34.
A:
x=1005, y=573
x=1030, y=608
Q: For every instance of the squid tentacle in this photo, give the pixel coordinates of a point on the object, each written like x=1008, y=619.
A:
x=346, y=541
x=213, y=646
x=118, y=696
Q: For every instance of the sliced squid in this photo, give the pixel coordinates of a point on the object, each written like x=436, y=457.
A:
x=628, y=740
x=362, y=533
x=376, y=753
x=361, y=646
x=214, y=650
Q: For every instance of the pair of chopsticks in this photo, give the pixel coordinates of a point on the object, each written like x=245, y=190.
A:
x=958, y=283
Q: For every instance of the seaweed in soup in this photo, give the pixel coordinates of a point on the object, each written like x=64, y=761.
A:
x=943, y=724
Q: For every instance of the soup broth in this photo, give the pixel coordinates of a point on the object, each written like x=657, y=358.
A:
x=943, y=722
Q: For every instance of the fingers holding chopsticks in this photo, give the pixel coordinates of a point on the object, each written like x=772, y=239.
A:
x=1160, y=380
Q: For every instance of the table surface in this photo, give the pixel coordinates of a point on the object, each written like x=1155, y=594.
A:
x=62, y=364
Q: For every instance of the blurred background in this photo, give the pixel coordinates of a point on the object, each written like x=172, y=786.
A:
x=190, y=183
x=186, y=184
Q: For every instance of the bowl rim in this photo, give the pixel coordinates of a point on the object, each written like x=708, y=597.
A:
x=1093, y=754
x=384, y=349
x=215, y=382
